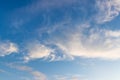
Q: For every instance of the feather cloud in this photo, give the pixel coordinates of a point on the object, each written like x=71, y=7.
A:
x=107, y=10
x=37, y=50
x=98, y=43
x=37, y=75
x=7, y=48
x=74, y=39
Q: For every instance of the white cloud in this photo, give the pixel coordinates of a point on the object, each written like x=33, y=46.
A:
x=37, y=50
x=75, y=40
x=96, y=43
x=82, y=41
x=107, y=10
x=37, y=75
x=111, y=33
x=7, y=48
x=69, y=77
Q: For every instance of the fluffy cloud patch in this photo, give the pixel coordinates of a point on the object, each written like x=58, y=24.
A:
x=37, y=50
x=107, y=10
x=111, y=33
x=7, y=48
x=88, y=42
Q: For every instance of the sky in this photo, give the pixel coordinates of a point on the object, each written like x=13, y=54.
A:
x=59, y=39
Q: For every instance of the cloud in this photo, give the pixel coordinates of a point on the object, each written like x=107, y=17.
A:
x=107, y=10
x=69, y=77
x=34, y=8
x=82, y=41
x=111, y=33
x=7, y=48
x=36, y=50
x=2, y=71
x=46, y=51
x=72, y=38
x=37, y=75
x=79, y=39
x=86, y=41
x=38, y=6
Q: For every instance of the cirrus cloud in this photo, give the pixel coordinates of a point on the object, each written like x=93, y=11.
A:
x=7, y=48
x=37, y=75
x=96, y=43
x=37, y=50
x=71, y=38
x=107, y=10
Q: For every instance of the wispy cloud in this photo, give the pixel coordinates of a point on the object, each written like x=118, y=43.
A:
x=69, y=77
x=28, y=12
x=71, y=38
x=88, y=44
x=36, y=50
x=7, y=48
x=37, y=75
x=112, y=33
x=84, y=41
x=2, y=71
x=38, y=6
x=107, y=10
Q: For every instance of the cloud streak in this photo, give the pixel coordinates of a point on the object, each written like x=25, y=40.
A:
x=107, y=10
x=37, y=75
x=7, y=48
x=69, y=77
x=2, y=71
x=35, y=8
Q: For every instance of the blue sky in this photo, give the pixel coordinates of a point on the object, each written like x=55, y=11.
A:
x=59, y=39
